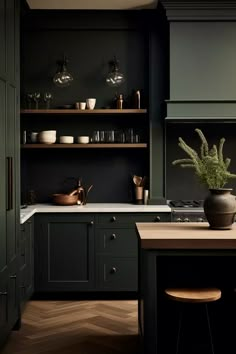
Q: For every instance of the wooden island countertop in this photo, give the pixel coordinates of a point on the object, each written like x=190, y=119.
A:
x=184, y=236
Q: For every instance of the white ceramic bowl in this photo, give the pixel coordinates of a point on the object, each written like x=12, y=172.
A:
x=48, y=132
x=47, y=137
x=66, y=139
x=83, y=139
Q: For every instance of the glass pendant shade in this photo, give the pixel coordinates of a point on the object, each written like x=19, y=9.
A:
x=115, y=78
x=62, y=78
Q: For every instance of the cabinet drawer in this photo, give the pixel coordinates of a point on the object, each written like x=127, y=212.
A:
x=117, y=219
x=117, y=241
x=117, y=274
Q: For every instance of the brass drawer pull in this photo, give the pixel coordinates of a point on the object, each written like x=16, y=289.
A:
x=113, y=218
x=157, y=218
x=4, y=293
x=13, y=276
x=91, y=222
x=113, y=270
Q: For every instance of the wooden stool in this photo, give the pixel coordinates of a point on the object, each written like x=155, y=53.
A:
x=202, y=295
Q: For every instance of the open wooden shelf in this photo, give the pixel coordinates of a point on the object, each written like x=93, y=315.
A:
x=84, y=111
x=85, y=146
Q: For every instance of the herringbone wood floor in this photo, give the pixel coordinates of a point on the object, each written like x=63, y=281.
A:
x=76, y=327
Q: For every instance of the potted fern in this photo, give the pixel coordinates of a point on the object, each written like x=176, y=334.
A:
x=211, y=170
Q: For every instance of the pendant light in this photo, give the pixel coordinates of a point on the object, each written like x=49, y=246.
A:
x=115, y=78
x=62, y=78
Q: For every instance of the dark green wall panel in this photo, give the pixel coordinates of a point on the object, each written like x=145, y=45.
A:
x=202, y=60
x=3, y=237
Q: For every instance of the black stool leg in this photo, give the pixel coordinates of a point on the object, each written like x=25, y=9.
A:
x=209, y=328
x=179, y=329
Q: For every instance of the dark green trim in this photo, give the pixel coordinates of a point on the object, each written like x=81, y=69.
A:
x=208, y=108
x=157, y=201
x=201, y=10
x=205, y=119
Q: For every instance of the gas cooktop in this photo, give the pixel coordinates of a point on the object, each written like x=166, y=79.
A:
x=186, y=203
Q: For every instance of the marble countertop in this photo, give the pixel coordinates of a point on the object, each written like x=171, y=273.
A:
x=26, y=213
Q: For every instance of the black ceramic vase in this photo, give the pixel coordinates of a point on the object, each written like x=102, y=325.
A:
x=220, y=208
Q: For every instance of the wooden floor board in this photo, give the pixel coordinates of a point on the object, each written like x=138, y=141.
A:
x=76, y=327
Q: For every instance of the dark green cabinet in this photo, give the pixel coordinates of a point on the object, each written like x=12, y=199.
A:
x=88, y=252
x=64, y=252
x=117, y=249
x=26, y=261
x=9, y=166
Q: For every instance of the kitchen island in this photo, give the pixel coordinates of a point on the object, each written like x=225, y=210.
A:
x=184, y=255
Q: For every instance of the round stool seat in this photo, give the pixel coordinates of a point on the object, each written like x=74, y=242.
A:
x=193, y=295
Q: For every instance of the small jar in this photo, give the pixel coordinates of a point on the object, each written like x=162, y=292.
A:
x=119, y=102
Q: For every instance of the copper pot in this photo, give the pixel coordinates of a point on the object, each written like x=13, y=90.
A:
x=65, y=199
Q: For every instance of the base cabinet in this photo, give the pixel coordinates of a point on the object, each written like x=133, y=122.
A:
x=88, y=252
x=26, y=261
x=64, y=252
x=117, y=249
x=117, y=273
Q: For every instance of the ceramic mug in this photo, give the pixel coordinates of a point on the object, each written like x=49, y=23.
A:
x=90, y=102
x=34, y=137
x=82, y=105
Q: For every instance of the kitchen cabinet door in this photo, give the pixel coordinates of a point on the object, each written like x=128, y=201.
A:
x=64, y=252
x=9, y=166
x=26, y=261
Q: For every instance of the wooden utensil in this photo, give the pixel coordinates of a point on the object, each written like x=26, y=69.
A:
x=137, y=180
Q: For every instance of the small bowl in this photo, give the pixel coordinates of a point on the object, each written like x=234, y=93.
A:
x=47, y=137
x=83, y=139
x=66, y=139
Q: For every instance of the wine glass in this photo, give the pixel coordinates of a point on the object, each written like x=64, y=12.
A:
x=47, y=97
x=29, y=99
x=36, y=98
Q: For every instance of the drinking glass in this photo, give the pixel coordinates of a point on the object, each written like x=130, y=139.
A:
x=129, y=135
x=102, y=136
x=110, y=136
x=47, y=97
x=96, y=136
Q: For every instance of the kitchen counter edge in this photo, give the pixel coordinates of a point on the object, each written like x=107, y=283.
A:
x=25, y=214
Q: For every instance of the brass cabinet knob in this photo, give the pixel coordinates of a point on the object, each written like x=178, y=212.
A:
x=157, y=218
x=113, y=218
x=113, y=236
x=92, y=222
x=179, y=220
x=113, y=270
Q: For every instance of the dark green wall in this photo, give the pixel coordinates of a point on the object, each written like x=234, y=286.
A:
x=90, y=39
